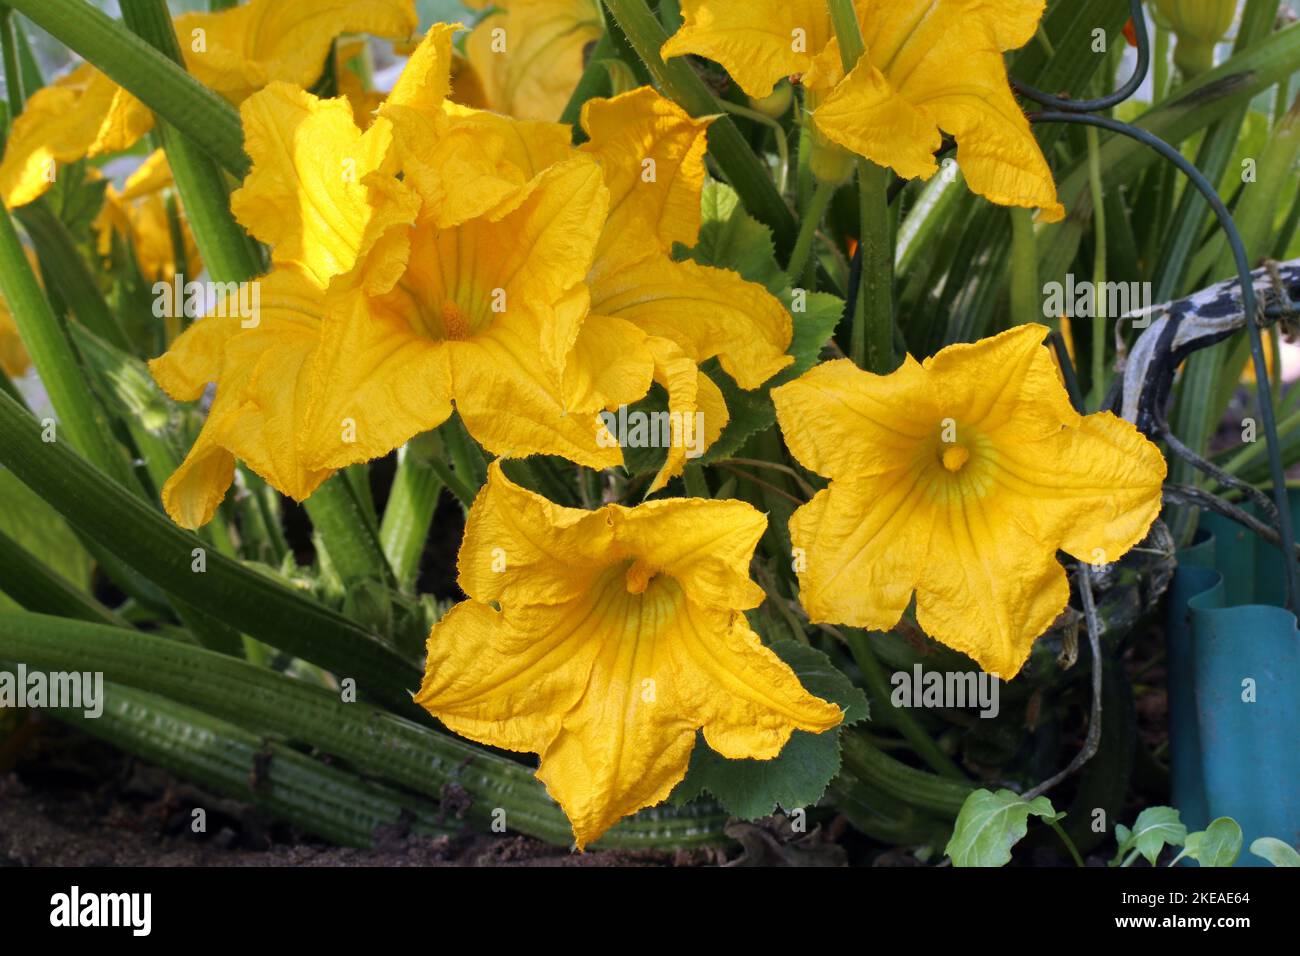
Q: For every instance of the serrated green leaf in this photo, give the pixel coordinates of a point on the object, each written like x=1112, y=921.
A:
x=1154, y=828
x=732, y=239
x=799, y=775
x=1275, y=851
x=990, y=824
x=1219, y=844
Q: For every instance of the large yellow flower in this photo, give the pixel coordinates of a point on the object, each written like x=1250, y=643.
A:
x=603, y=640
x=929, y=66
x=526, y=56
x=959, y=479
x=234, y=51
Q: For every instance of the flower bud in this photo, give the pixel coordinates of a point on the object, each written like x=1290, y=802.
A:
x=1199, y=26
x=777, y=103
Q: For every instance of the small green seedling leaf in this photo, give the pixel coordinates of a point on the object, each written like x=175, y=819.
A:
x=1275, y=851
x=990, y=824
x=1155, y=828
x=1219, y=844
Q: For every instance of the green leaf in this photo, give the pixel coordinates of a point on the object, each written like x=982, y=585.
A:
x=1219, y=844
x=990, y=824
x=1275, y=851
x=1155, y=827
x=730, y=238
x=799, y=775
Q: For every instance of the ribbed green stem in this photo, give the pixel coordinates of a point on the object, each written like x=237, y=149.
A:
x=1024, y=270
x=378, y=743
x=409, y=513
x=123, y=524
x=38, y=588
x=873, y=323
x=916, y=787
x=801, y=262
x=59, y=256
x=877, y=682
x=145, y=73
x=13, y=71
x=224, y=758
x=844, y=18
x=339, y=518
x=746, y=173
x=228, y=253
x=47, y=342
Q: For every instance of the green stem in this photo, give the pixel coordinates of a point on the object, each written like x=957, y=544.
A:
x=1065, y=838
x=778, y=134
x=47, y=342
x=746, y=173
x=412, y=502
x=1098, y=270
x=874, y=674
x=145, y=73
x=693, y=478
x=845, y=20
x=13, y=71
x=228, y=252
x=106, y=513
x=1024, y=270
x=36, y=587
x=800, y=261
x=872, y=344
x=339, y=518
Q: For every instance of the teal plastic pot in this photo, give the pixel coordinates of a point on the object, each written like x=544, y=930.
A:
x=1234, y=686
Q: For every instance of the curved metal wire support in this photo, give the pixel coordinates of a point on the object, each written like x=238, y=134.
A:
x=1249, y=304
x=1067, y=105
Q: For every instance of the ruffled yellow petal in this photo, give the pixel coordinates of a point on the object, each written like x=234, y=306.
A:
x=311, y=194
x=243, y=48
x=520, y=549
x=617, y=638
x=80, y=115
x=376, y=385
x=758, y=41
x=528, y=55
x=960, y=478
x=263, y=388
x=697, y=411
x=939, y=66
x=708, y=312
x=610, y=365
x=652, y=154
x=425, y=80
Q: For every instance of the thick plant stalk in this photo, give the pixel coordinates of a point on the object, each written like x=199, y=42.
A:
x=409, y=513
x=737, y=161
x=227, y=759
x=38, y=588
x=228, y=252
x=80, y=414
x=141, y=536
x=145, y=73
x=376, y=742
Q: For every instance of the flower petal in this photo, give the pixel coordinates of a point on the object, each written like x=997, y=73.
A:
x=529, y=56
x=706, y=311
x=82, y=114
x=308, y=194
x=758, y=41
x=697, y=411
x=747, y=700
x=521, y=549
x=652, y=154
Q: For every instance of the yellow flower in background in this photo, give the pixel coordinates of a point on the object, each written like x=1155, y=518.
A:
x=528, y=55
x=14, y=360
x=234, y=51
x=603, y=640
x=959, y=479
x=929, y=66
x=139, y=214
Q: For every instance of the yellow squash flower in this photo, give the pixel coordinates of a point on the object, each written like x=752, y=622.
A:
x=959, y=479
x=528, y=55
x=139, y=214
x=603, y=640
x=234, y=51
x=929, y=66
x=14, y=360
